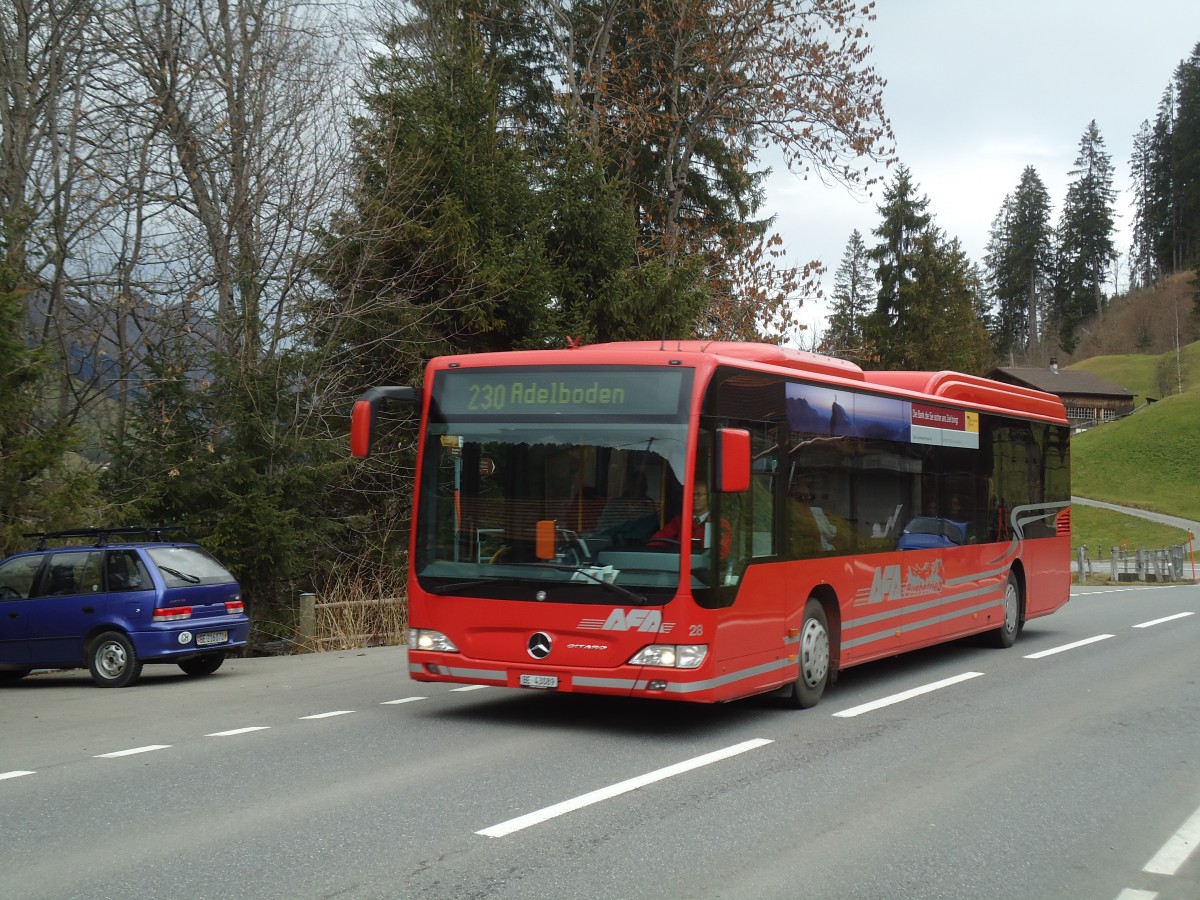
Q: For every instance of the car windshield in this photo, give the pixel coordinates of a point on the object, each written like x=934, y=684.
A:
x=185, y=566
x=506, y=505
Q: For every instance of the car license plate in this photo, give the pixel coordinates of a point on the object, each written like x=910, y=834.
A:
x=211, y=637
x=544, y=682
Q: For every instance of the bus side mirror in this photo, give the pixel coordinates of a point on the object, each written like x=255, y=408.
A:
x=733, y=460
x=362, y=417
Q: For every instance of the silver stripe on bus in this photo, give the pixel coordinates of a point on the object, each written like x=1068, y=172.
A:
x=473, y=674
x=913, y=626
x=689, y=687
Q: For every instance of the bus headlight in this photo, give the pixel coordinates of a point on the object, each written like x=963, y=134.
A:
x=427, y=639
x=671, y=656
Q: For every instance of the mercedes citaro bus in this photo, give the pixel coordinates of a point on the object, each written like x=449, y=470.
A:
x=705, y=521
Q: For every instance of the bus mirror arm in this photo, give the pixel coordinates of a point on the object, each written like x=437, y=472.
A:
x=362, y=417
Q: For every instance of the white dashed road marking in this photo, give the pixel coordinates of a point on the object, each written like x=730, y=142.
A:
x=1083, y=643
x=118, y=753
x=1174, y=852
x=329, y=715
x=1182, y=615
x=234, y=731
x=904, y=695
x=558, y=809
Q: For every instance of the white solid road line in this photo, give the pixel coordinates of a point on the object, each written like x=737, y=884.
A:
x=904, y=695
x=1182, y=615
x=1174, y=852
x=1083, y=643
x=558, y=809
x=131, y=752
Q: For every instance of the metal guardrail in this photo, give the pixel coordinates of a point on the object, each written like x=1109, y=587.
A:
x=1164, y=564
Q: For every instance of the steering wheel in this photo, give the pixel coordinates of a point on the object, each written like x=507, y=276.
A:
x=9, y=593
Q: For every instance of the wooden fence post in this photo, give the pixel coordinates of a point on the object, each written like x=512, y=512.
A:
x=306, y=628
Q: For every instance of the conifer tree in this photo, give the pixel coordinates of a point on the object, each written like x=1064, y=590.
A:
x=444, y=248
x=905, y=221
x=38, y=490
x=1020, y=263
x=1085, y=237
x=1143, y=267
x=853, y=297
x=1185, y=164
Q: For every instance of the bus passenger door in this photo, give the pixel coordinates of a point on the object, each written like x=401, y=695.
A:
x=750, y=629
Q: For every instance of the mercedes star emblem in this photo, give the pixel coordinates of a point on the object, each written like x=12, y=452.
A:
x=539, y=645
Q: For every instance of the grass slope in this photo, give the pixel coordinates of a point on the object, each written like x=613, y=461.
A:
x=1150, y=460
x=1148, y=376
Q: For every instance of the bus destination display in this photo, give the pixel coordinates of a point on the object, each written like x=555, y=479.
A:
x=538, y=392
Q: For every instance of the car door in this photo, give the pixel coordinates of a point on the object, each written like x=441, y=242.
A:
x=17, y=578
x=69, y=602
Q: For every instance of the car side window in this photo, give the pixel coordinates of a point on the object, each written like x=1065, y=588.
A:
x=17, y=576
x=71, y=572
x=126, y=571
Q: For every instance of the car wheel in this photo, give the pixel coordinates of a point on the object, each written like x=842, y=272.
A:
x=814, y=657
x=1006, y=635
x=112, y=660
x=10, y=676
x=202, y=665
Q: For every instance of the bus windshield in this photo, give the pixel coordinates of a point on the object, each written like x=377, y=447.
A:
x=591, y=459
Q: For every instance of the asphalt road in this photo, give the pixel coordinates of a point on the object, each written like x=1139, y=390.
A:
x=1065, y=767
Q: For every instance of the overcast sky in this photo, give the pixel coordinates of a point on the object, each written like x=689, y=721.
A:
x=978, y=90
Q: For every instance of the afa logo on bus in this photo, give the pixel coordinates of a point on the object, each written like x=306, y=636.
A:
x=918, y=581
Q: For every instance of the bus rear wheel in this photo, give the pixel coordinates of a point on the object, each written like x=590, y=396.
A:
x=814, y=657
x=1006, y=635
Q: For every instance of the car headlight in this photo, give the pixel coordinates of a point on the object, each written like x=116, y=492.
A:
x=427, y=639
x=671, y=656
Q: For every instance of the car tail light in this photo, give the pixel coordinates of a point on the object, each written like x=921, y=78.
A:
x=235, y=607
x=172, y=613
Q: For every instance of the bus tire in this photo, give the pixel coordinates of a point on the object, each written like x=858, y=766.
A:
x=813, y=675
x=1006, y=635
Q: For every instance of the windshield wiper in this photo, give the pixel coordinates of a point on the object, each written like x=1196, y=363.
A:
x=629, y=595
x=182, y=576
x=480, y=582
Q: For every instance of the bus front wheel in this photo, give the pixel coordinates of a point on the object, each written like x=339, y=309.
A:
x=814, y=657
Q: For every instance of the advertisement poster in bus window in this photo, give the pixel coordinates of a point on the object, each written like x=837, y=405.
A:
x=819, y=410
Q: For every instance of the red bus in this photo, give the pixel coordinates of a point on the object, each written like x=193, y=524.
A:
x=705, y=521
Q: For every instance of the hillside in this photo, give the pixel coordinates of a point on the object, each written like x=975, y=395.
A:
x=1146, y=460
x=1145, y=321
x=1150, y=377
x=1149, y=459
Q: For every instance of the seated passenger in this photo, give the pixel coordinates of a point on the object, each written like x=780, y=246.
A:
x=812, y=530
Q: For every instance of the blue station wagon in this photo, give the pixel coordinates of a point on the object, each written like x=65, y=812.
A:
x=115, y=604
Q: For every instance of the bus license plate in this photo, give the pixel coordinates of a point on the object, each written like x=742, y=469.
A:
x=212, y=637
x=544, y=682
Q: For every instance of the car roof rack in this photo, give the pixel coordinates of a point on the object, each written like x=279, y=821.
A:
x=100, y=536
